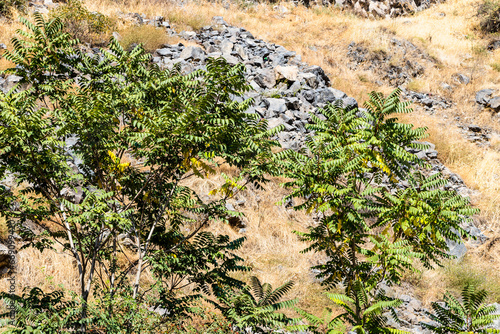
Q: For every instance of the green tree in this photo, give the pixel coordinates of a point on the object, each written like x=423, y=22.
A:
x=370, y=230
x=104, y=146
x=469, y=316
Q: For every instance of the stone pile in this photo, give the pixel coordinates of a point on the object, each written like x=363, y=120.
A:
x=430, y=102
x=285, y=88
x=385, y=9
x=396, y=64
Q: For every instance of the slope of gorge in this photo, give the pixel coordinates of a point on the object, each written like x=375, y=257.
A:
x=297, y=60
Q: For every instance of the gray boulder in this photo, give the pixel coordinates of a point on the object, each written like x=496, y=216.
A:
x=265, y=78
x=275, y=107
x=310, y=79
x=231, y=59
x=164, y=52
x=484, y=96
x=495, y=103
x=462, y=78
x=226, y=47
x=290, y=73
x=193, y=52
x=320, y=74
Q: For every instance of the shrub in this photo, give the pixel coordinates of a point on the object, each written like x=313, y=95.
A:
x=468, y=316
x=150, y=37
x=489, y=15
x=7, y=5
x=88, y=27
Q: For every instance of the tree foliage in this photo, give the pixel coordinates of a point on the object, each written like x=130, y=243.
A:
x=105, y=144
x=370, y=229
x=257, y=306
x=470, y=315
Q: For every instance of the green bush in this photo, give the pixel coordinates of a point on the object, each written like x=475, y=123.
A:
x=88, y=27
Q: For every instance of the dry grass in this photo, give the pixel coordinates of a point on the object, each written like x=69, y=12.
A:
x=4, y=229
x=150, y=37
x=475, y=269
x=478, y=167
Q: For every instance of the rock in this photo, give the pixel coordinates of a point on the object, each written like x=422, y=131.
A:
x=274, y=122
x=246, y=35
x=290, y=73
x=275, y=107
x=240, y=50
x=463, y=79
x=42, y=10
x=218, y=20
x=310, y=79
x=3, y=46
x=378, y=9
x=9, y=82
x=187, y=34
x=456, y=250
x=231, y=59
x=320, y=74
x=164, y=52
x=483, y=96
x=474, y=128
x=226, y=47
x=493, y=45
x=349, y=102
x=495, y=103
x=265, y=78
x=193, y=52
x=74, y=195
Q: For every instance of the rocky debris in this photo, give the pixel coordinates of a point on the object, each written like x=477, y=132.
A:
x=429, y=101
x=141, y=19
x=462, y=78
x=9, y=82
x=387, y=8
x=396, y=66
x=285, y=88
x=475, y=134
x=485, y=98
x=493, y=45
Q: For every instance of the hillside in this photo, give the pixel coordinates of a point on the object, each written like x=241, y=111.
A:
x=439, y=57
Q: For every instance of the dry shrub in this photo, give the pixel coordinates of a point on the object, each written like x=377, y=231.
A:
x=88, y=26
x=489, y=13
x=8, y=6
x=150, y=37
